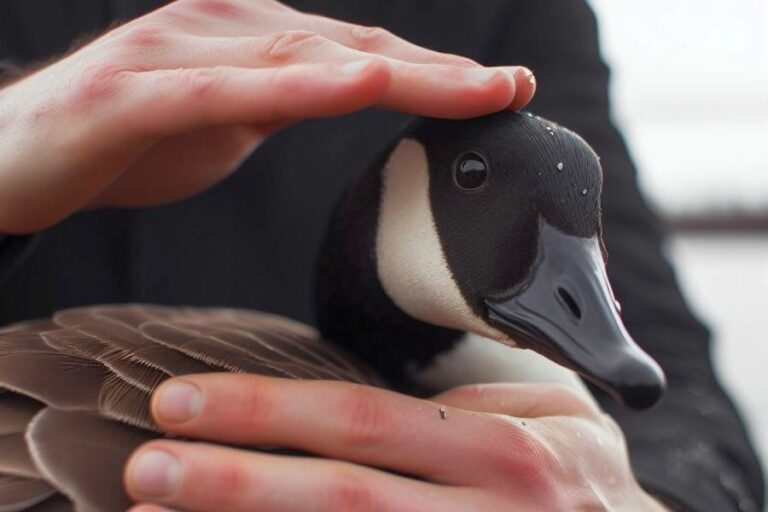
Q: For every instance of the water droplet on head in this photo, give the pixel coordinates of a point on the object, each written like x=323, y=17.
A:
x=584, y=192
x=560, y=166
x=538, y=173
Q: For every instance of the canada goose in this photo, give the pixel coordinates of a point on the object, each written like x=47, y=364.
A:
x=489, y=226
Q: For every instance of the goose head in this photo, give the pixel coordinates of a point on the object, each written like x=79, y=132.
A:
x=489, y=226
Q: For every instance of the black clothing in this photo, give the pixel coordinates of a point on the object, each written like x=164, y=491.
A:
x=252, y=240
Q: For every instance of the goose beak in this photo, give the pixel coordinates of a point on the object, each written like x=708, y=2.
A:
x=566, y=311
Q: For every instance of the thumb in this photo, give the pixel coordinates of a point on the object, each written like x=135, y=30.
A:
x=523, y=400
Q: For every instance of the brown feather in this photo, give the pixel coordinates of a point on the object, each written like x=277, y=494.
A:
x=57, y=503
x=121, y=401
x=17, y=494
x=211, y=351
x=16, y=412
x=16, y=460
x=56, y=379
x=85, y=454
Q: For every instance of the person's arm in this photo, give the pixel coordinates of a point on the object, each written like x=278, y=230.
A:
x=692, y=449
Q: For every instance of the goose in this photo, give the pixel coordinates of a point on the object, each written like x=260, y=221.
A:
x=463, y=238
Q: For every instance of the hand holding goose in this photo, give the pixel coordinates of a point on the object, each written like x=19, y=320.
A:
x=470, y=226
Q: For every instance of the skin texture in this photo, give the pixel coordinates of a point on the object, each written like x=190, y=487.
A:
x=169, y=104
x=504, y=447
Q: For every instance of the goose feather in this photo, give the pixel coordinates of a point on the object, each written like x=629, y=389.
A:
x=75, y=390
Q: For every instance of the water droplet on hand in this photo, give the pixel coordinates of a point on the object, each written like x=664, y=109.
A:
x=584, y=192
x=560, y=166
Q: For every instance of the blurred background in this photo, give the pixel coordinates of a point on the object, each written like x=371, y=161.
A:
x=690, y=91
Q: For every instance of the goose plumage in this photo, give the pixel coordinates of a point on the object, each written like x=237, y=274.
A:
x=75, y=388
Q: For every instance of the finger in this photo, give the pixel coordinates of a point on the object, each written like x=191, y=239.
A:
x=524, y=400
x=526, y=89
x=168, y=102
x=380, y=41
x=433, y=90
x=348, y=422
x=217, y=17
x=197, y=477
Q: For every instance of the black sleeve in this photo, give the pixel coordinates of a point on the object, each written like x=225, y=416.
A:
x=692, y=450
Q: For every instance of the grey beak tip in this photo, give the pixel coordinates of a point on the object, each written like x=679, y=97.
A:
x=640, y=386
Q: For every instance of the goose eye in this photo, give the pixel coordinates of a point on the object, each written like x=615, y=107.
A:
x=471, y=172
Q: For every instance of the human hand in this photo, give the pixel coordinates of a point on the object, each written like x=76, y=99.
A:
x=170, y=103
x=506, y=447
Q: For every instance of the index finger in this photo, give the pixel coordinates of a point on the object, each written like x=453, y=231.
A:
x=340, y=420
x=378, y=40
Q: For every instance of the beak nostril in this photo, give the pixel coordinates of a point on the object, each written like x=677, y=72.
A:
x=569, y=302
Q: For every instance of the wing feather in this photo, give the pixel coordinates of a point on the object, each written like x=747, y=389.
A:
x=16, y=460
x=56, y=379
x=83, y=455
x=209, y=350
x=16, y=412
x=57, y=503
x=123, y=402
x=17, y=494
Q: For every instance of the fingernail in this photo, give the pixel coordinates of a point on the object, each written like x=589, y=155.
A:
x=481, y=75
x=354, y=68
x=179, y=402
x=155, y=473
x=525, y=74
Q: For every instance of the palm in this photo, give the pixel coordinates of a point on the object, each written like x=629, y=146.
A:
x=182, y=166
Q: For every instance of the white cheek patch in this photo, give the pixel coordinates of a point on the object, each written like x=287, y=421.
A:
x=411, y=264
x=477, y=360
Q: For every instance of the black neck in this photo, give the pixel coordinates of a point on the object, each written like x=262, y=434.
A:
x=354, y=311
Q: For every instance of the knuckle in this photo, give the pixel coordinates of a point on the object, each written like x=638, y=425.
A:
x=522, y=453
x=285, y=46
x=231, y=484
x=99, y=83
x=202, y=83
x=217, y=8
x=144, y=37
x=364, y=421
x=255, y=406
x=350, y=493
x=370, y=38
